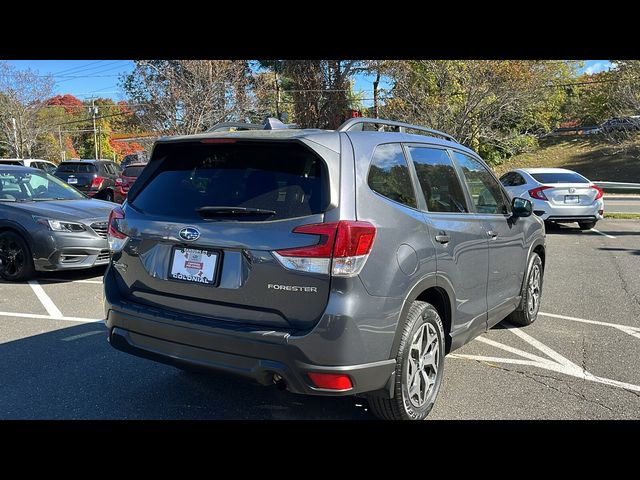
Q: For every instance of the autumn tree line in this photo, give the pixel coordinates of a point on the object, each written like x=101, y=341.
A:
x=497, y=107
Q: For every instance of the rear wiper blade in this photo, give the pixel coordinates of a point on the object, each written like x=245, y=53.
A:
x=231, y=211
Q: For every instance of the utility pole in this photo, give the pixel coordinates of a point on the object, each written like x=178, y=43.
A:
x=94, y=112
x=278, y=99
x=100, y=143
x=15, y=136
x=60, y=138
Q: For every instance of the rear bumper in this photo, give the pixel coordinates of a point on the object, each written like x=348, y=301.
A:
x=568, y=213
x=249, y=351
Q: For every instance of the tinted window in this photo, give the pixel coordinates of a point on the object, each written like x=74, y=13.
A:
x=389, y=175
x=485, y=190
x=512, y=179
x=284, y=177
x=563, y=177
x=132, y=171
x=438, y=180
x=76, y=168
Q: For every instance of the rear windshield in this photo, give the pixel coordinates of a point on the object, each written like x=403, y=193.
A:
x=132, y=171
x=284, y=177
x=563, y=177
x=77, y=168
x=10, y=162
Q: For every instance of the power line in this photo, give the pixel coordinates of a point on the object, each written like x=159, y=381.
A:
x=85, y=68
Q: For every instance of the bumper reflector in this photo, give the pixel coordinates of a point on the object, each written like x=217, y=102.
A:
x=331, y=381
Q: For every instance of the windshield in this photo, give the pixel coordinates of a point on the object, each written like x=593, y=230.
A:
x=30, y=186
x=77, y=168
x=561, y=177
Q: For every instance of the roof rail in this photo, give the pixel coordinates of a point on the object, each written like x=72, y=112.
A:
x=357, y=124
x=228, y=126
x=269, y=123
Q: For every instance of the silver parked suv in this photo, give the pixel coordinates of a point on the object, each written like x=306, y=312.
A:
x=329, y=262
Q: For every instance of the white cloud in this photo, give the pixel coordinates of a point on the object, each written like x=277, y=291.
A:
x=597, y=68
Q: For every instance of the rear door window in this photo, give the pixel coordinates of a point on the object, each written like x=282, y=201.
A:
x=287, y=178
x=389, y=175
x=438, y=180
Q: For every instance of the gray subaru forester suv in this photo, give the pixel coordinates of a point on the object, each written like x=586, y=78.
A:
x=328, y=262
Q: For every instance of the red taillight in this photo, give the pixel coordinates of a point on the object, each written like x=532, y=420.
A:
x=337, y=239
x=114, y=235
x=97, y=182
x=322, y=249
x=600, y=193
x=538, y=193
x=331, y=381
x=342, y=249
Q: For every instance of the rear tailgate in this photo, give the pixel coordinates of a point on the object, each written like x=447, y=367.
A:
x=222, y=266
x=79, y=175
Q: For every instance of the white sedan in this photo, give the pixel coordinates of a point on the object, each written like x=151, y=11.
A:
x=558, y=195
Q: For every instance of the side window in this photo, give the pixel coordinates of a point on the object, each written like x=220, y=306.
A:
x=485, y=191
x=507, y=179
x=389, y=175
x=438, y=180
x=518, y=180
x=109, y=168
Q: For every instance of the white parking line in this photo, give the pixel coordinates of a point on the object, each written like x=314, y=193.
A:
x=51, y=317
x=48, y=304
x=558, y=363
x=602, y=233
x=633, y=331
x=82, y=335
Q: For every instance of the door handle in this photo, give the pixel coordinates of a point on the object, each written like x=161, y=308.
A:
x=492, y=234
x=442, y=238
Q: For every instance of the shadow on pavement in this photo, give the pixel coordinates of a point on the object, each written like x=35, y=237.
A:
x=71, y=275
x=73, y=373
x=631, y=251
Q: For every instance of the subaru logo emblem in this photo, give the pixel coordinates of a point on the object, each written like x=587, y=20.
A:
x=189, y=234
x=572, y=190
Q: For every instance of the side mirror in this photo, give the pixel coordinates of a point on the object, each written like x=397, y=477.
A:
x=521, y=207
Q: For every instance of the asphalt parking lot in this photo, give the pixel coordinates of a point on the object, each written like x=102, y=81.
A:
x=580, y=360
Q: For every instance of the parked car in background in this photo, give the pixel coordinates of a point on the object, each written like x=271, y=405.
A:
x=126, y=180
x=95, y=178
x=138, y=157
x=44, y=165
x=307, y=258
x=47, y=225
x=558, y=195
x=622, y=124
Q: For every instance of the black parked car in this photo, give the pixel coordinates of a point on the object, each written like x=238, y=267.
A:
x=94, y=178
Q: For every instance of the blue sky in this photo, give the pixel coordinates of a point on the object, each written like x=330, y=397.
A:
x=86, y=78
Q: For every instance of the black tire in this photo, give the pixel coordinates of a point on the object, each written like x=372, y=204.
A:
x=586, y=225
x=15, y=254
x=402, y=405
x=523, y=315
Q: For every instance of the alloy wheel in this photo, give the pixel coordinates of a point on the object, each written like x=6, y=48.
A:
x=422, y=364
x=533, y=299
